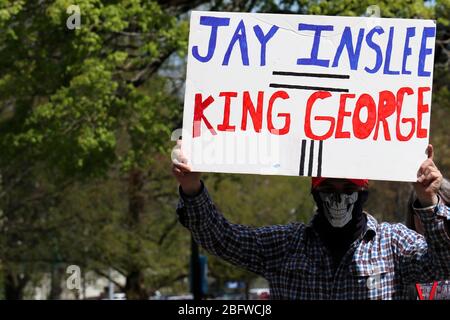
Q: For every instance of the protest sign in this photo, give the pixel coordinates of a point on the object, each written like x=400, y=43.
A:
x=308, y=95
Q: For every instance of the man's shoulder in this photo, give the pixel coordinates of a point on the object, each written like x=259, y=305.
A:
x=291, y=227
x=399, y=236
x=372, y=221
x=389, y=229
x=285, y=234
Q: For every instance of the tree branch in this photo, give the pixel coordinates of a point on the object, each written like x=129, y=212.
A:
x=167, y=230
x=105, y=275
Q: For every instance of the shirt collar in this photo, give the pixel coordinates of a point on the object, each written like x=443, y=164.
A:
x=371, y=229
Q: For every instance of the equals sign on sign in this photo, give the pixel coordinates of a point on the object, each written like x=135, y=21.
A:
x=322, y=76
x=310, y=158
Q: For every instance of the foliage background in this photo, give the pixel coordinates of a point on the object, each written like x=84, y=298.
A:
x=85, y=123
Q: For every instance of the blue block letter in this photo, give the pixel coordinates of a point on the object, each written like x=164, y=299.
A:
x=347, y=42
x=428, y=32
x=387, y=61
x=239, y=35
x=215, y=23
x=376, y=48
x=315, y=48
x=263, y=39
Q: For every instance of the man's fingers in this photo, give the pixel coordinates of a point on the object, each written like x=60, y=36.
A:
x=177, y=154
x=426, y=165
x=179, y=158
x=177, y=171
x=183, y=167
x=435, y=175
x=429, y=178
x=183, y=159
x=177, y=147
x=430, y=151
x=428, y=170
x=422, y=169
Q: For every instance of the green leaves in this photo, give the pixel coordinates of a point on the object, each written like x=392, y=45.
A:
x=76, y=126
x=75, y=106
x=8, y=9
x=79, y=86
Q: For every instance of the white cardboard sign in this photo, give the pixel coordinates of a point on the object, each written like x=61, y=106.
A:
x=303, y=95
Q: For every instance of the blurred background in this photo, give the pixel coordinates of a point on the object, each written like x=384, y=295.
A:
x=87, y=200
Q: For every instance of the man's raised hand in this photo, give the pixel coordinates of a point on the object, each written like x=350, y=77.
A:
x=189, y=181
x=429, y=180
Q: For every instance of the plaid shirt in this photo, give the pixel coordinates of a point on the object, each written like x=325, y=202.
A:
x=379, y=265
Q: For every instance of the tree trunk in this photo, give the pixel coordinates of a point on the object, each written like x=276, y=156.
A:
x=136, y=198
x=247, y=288
x=56, y=281
x=135, y=285
x=14, y=285
x=134, y=288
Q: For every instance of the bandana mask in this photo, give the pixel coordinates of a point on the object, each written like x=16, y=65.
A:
x=338, y=207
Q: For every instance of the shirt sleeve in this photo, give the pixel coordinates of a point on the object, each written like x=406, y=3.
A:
x=425, y=258
x=257, y=249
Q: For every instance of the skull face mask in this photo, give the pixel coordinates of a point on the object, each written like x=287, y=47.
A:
x=338, y=207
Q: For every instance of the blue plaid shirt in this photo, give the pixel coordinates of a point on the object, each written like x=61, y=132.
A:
x=379, y=265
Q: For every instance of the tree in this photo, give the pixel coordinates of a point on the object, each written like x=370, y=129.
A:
x=69, y=97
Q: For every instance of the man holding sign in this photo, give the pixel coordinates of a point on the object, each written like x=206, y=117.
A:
x=344, y=253
x=331, y=97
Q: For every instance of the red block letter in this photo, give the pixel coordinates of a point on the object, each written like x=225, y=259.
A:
x=421, y=109
x=342, y=113
x=362, y=130
x=249, y=107
x=199, y=107
x=309, y=104
x=283, y=95
x=386, y=108
x=225, y=126
x=400, y=94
